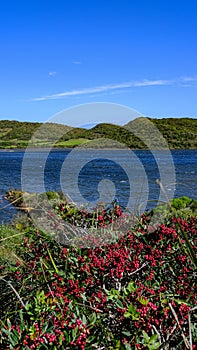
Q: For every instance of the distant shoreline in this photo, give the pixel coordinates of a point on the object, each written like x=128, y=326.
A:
x=174, y=133
x=62, y=149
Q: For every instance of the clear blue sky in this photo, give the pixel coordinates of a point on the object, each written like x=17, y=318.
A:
x=58, y=54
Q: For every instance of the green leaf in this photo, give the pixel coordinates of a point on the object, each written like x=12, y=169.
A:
x=21, y=321
x=119, y=304
x=14, y=337
x=179, y=301
x=83, y=297
x=74, y=332
x=146, y=337
x=143, y=301
x=9, y=323
x=154, y=346
x=132, y=308
x=153, y=338
x=84, y=320
x=128, y=334
x=92, y=318
x=127, y=346
x=77, y=311
x=118, y=345
x=53, y=262
x=60, y=339
x=131, y=288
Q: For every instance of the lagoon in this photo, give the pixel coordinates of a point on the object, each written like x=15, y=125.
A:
x=89, y=176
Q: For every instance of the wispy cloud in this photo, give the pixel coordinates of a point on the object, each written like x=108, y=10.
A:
x=188, y=79
x=52, y=74
x=76, y=62
x=103, y=88
x=119, y=86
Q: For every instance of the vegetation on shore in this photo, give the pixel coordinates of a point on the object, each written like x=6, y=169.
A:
x=136, y=291
x=179, y=133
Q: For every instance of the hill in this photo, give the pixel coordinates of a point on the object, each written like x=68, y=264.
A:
x=179, y=133
x=15, y=134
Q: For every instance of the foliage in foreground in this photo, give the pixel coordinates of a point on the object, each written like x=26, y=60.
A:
x=138, y=292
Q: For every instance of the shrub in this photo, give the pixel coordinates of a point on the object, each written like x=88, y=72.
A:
x=125, y=295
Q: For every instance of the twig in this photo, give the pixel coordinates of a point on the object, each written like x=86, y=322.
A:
x=90, y=307
x=14, y=290
x=190, y=329
x=158, y=182
x=165, y=342
x=11, y=203
x=41, y=263
x=17, y=234
x=157, y=332
x=140, y=268
x=177, y=320
x=170, y=333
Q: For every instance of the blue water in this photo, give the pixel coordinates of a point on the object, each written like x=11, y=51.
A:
x=90, y=176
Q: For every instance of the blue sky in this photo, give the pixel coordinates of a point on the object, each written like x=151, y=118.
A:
x=59, y=54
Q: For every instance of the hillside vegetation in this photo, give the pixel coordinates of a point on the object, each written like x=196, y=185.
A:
x=179, y=133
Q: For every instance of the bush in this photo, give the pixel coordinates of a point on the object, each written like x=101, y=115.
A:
x=124, y=295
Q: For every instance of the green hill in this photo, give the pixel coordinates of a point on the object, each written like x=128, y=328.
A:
x=14, y=134
x=179, y=133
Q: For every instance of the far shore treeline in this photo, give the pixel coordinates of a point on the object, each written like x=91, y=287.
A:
x=179, y=133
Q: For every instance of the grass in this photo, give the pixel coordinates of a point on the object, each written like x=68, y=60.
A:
x=136, y=291
x=71, y=143
x=10, y=240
